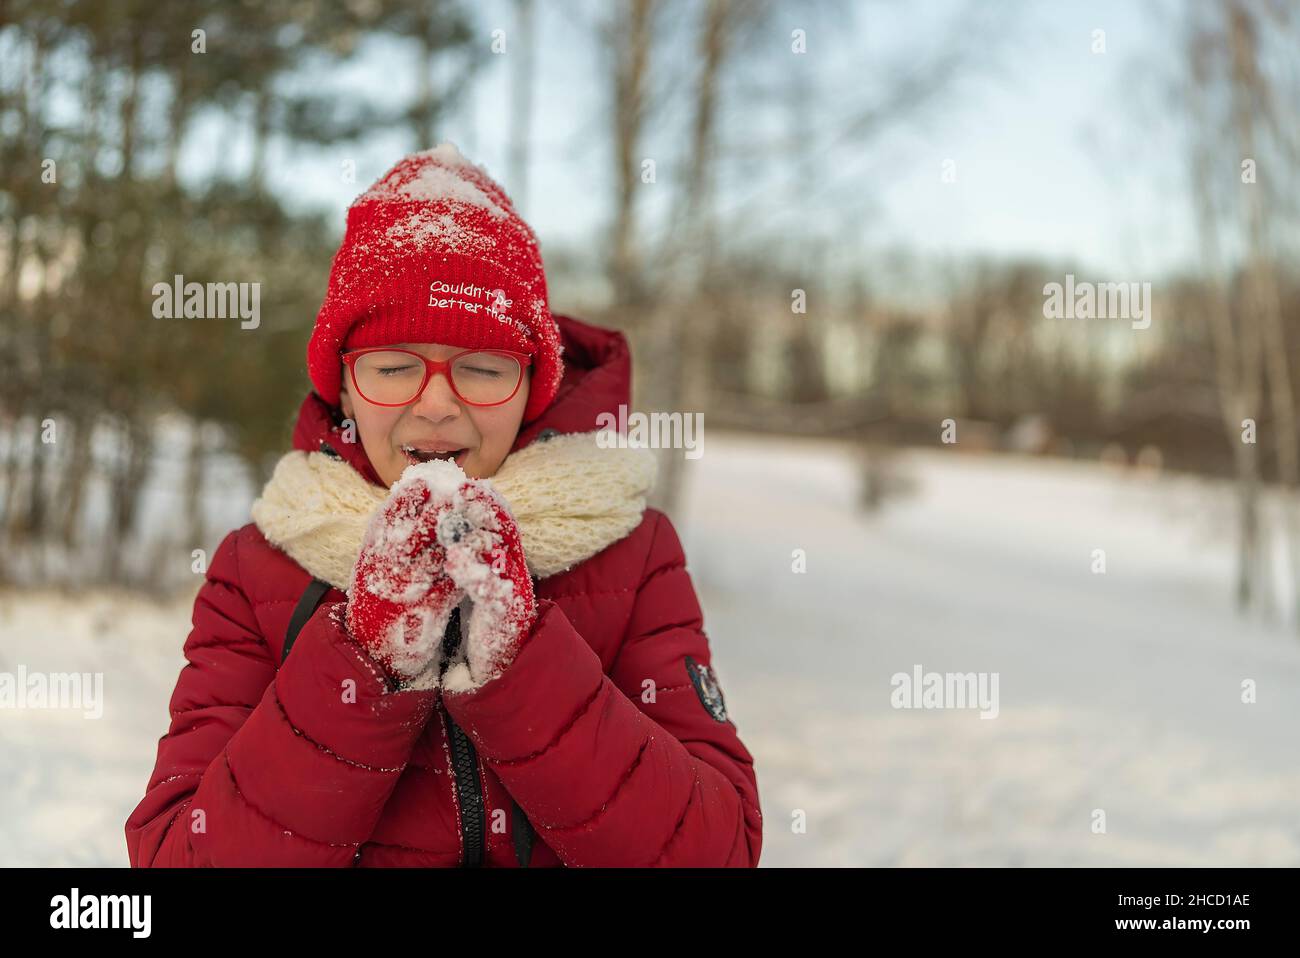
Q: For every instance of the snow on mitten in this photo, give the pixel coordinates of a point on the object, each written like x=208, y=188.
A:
x=486, y=560
x=401, y=597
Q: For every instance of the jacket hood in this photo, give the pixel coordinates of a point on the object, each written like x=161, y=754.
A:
x=597, y=379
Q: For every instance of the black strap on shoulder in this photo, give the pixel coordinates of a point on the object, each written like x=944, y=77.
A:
x=310, y=601
x=523, y=830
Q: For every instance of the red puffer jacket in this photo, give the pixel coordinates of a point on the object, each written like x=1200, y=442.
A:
x=559, y=761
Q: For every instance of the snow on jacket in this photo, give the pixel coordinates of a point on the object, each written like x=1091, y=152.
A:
x=605, y=743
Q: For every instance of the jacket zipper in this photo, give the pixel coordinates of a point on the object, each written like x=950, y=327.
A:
x=469, y=792
x=469, y=787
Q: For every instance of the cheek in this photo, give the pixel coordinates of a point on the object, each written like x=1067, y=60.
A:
x=490, y=426
x=376, y=424
x=498, y=426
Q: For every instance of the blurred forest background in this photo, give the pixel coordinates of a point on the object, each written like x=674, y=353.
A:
x=743, y=168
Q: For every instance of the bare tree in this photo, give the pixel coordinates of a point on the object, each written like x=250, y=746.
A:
x=781, y=201
x=523, y=70
x=627, y=38
x=1236, y=121
x=1252, y=103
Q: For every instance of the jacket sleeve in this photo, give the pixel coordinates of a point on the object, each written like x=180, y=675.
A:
x=267, y=768
x=630, y=768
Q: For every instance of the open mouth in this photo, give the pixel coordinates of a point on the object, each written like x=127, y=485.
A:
x=415, y=456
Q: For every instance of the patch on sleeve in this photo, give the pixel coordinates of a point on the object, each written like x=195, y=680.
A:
x=706, y=687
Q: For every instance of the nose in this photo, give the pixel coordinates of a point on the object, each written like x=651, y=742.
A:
x=437, y=402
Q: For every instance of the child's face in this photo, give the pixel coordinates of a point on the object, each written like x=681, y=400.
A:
x=487, y=432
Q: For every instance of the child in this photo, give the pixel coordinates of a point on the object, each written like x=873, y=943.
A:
x=498, y=657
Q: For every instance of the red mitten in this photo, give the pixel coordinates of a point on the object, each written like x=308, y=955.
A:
x=401, y=597
x=486, y=559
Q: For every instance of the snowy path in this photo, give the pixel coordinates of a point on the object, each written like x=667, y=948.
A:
x=1118, y=691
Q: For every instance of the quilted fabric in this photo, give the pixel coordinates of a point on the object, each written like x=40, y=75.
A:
x=597, y=730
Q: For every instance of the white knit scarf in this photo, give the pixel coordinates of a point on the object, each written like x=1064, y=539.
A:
x=569, y=497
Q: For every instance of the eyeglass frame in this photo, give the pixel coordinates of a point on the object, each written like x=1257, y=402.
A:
x=431, y=368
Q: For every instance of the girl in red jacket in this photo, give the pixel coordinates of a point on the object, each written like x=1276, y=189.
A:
x=498, y=657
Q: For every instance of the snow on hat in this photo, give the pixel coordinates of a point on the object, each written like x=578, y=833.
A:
x=434, y=252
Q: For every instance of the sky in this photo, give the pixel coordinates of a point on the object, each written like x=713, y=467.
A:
x=1055, y=160
x=1060, y=153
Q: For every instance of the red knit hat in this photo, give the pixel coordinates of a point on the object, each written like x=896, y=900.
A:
x=434, y=252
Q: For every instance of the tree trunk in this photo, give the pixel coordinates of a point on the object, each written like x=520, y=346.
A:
x=1248, y=90
x=72, y=489
x=194, y=476
x=521, y=102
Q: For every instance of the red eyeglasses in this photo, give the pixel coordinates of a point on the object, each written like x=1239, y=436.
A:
x=396, y=377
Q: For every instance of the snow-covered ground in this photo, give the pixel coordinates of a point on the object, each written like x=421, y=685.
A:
x=1118, y=691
